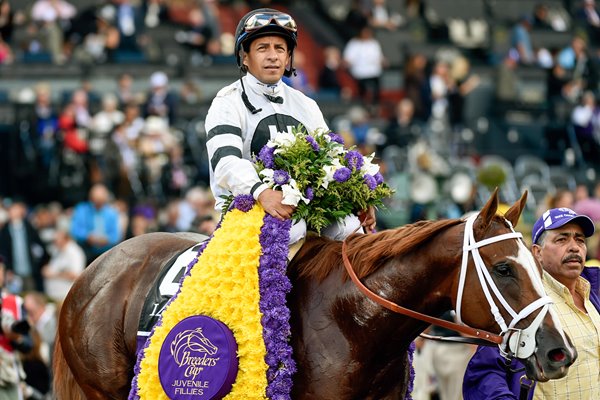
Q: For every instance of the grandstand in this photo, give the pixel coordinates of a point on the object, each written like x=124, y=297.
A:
x=478, y=30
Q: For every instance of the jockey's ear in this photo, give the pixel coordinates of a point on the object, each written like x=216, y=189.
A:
x=487, y=212
x=515, y=211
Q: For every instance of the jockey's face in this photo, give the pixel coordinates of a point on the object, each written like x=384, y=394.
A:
x=267, y=58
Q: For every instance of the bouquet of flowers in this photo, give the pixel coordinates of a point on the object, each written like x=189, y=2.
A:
x=317, y=174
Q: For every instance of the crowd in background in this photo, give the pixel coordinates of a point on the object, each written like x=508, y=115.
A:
x=121, y=155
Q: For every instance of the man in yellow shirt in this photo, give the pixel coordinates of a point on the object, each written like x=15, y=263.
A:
x=559, y=246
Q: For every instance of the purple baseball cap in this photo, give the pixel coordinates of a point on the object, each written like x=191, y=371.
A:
x=557, y=217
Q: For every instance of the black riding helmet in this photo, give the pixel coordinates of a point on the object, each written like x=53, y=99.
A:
x=265, y=22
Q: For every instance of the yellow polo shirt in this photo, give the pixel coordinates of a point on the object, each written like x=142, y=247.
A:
x=583, y=380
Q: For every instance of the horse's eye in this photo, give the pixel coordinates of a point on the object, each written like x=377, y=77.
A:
x=503, y=270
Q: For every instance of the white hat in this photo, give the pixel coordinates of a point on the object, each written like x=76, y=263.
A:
x=158, y=79
x=154, y=124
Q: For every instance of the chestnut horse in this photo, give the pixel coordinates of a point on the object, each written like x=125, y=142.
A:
x=346, y=346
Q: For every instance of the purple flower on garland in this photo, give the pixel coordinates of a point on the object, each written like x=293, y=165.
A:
x=354, y=159
x=370, y=181
x=266, y=155
x=336, y=138
x=309, y=193
x=313, y=143
x=342, y=174
x=243, y=202
x=411, y=376
x=378, y=178
x=274, y=284
x=280, y=177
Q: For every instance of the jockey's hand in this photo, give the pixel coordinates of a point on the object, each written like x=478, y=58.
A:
x=367, y=219
x=270, y=200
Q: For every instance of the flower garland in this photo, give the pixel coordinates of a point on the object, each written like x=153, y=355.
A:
x=238, y=277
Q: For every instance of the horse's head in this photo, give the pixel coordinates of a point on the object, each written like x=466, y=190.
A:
x=499, y=270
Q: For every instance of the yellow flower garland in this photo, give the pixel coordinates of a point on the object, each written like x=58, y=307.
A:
x=223, y=285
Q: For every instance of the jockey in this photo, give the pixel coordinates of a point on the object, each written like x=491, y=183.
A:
x=254, y=109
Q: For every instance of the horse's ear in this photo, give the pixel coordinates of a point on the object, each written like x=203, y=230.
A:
x=515, y=211
x=487, y=212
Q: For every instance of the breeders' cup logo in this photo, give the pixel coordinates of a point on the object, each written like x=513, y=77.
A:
x=198, y=360
x=192, y=350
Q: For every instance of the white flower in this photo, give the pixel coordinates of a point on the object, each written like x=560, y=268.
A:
x=368, y=167
x=329, y=171
x=292, y=194
x=335, y=149
x=283, y=140
x=267, y=173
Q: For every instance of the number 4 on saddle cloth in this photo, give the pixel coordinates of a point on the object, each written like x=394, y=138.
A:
x=166, y=286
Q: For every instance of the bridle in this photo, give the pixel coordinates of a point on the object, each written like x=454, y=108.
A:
x=519, y=342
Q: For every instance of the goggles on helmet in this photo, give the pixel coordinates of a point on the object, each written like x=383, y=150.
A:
x=261, y=20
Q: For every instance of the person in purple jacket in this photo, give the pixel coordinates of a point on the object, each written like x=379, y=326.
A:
x=559, y=246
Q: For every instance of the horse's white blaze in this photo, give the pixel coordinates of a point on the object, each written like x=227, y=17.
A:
x=525, y=258
x=560, y=330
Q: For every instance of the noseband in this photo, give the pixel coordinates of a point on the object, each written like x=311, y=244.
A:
x=520, y=343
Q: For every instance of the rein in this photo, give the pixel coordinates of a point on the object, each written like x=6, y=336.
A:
x=467, y=330
x=519, y=342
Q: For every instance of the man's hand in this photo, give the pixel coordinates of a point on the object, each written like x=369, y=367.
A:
x=270, y=200
x=367, y=219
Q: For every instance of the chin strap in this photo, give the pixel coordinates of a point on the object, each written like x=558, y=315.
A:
x=246, y=101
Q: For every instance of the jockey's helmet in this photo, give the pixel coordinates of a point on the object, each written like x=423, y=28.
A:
x=265, y=22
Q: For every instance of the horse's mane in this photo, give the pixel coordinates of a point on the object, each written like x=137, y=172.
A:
x=319, y=255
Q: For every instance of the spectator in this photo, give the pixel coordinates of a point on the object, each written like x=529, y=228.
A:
x=102, y=125
x=561, y=198
x=521, y=41
x=95, y=223
x=14, y=338
x=559, y=247
x=54, y=16
x=7, y=21
x=588, y=16
x=169, y=217
x=160, y=102
x=142, y=221
x=155, y=145
x=198, y=201
x=99, y=42
x=299, y=80
x=126, y=18
x=45, y=124
x=66, y=264
x=43, y=317
x=576, y=59
x=586, y=204
x=24, y=251
x=155, y=13
x=6, y=54
x=36, y=385
x=382, y=17
x=402, y=130
x=416, y=85
x=197, y=36
x=586, y=122
x=190, y=92
x=356, y=19
x=329, y=76
x=175, y=179
x=364, y=59
x=125, y=94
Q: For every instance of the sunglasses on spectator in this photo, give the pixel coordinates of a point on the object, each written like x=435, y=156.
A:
x=260, y=20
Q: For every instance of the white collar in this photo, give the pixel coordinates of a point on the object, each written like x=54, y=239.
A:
x=258, y=87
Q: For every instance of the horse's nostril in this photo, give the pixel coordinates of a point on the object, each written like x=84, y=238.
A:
x=557, y=355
